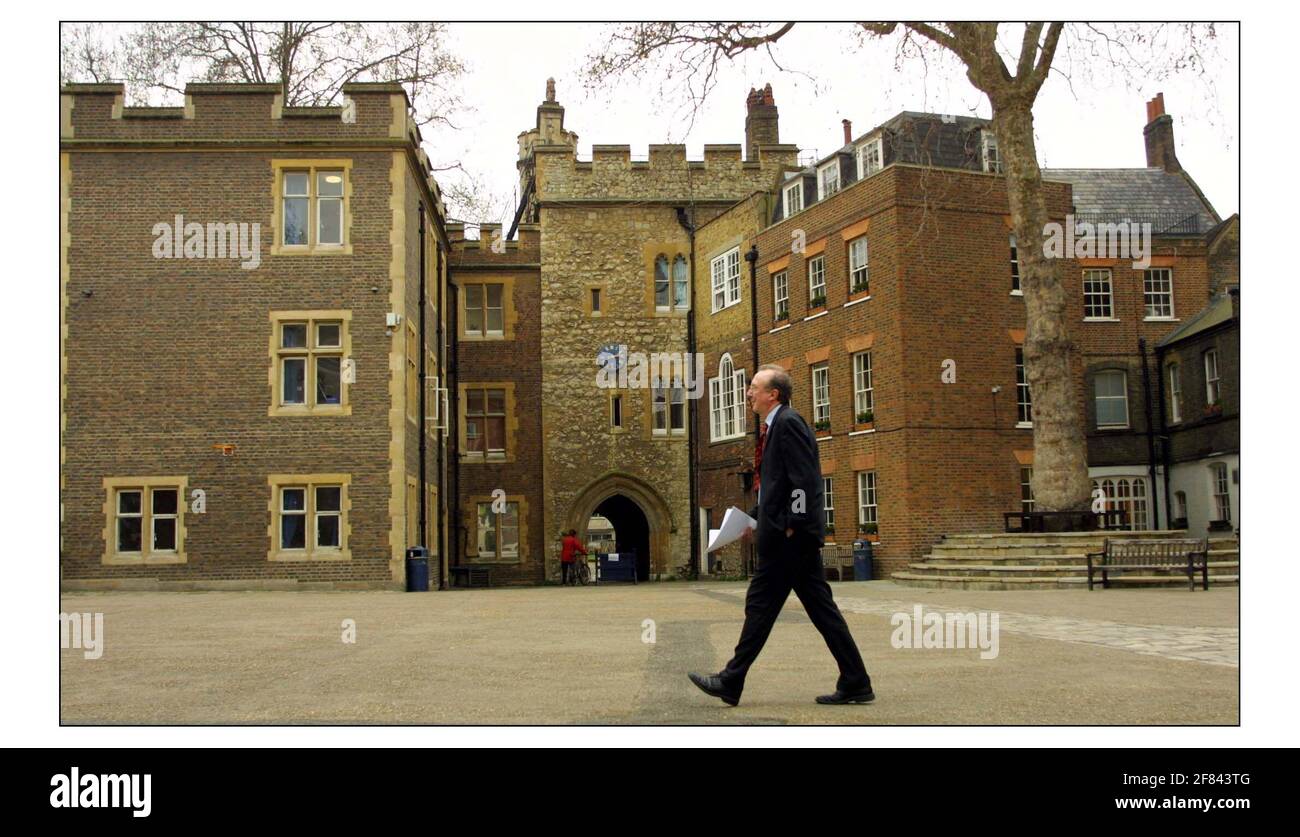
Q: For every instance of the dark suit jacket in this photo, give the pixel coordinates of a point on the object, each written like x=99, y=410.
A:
x=790, y=462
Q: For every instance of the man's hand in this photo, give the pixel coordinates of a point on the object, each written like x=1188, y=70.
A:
x=789, y=532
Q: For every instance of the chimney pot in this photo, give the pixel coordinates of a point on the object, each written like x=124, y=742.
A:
x=848, y=131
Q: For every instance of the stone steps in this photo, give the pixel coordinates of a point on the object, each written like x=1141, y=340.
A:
x=1049, y=582
x=1022, y=561
x=1053, y=570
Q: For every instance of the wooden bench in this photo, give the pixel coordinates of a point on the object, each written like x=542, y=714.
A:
x=473, y=576
x=1123, y=555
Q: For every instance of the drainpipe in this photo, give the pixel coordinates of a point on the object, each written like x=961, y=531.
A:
x=751, y=256
x=692, y=448
x=1151, y=431
x=424, y=506
x=1166, y=442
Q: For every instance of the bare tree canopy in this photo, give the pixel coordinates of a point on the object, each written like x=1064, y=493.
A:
x=311, y=61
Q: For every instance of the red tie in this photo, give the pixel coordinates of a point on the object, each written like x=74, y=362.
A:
x=758, y=454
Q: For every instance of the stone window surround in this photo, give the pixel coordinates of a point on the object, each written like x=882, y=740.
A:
x=112, y=485
x=311, y=318
x=311, y=166
x=512, y=422
x=275, y=483
x=471, y=527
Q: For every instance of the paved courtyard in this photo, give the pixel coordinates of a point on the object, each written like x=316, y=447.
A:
x=581, y=655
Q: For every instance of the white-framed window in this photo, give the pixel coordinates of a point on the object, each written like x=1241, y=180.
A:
x=485, y=422
x=1015, y=266
x=1128, y=494
x=310, y=357
x=870, y=158
x=867, y=498
x=311, y=517
x=858, y=264
x=817, y=281
x=498, y=534
x=668, y=404
x=1024, y=404
x=991, y=158
x=1219, y=489
x=1110, y=391
x=863, y=394
x=663, y=284
x=1026, y=488
x=793, y=197
x=1097, y=303
x=484, y=309
x=1212, y=377
x=727, y=402
x=1158, y=293
x=158, y=519
x=1180, y=505
x=681, y=283
x=725, y=270
x=828, y=179
x=821, y=390
x=828, y=503
x=781, y=296
x=301, y=189
x=1175, y=394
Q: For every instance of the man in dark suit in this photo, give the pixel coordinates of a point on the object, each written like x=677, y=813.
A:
x=790, y=519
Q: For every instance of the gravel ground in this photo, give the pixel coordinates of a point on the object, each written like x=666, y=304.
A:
x=579, y=656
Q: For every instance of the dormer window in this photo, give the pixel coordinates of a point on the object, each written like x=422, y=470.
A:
x=992, y=159
x=828, y=179
x=794, y=197
x=870, y=159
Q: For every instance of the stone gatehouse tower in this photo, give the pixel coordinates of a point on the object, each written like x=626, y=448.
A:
x=617, y=263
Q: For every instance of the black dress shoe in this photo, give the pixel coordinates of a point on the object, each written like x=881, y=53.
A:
x=840, y=697
x=712, y=685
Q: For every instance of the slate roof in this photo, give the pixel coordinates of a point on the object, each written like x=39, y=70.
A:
x=1171, y=203
x=1218, y=310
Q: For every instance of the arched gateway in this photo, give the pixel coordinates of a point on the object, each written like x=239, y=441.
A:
x=642, y=520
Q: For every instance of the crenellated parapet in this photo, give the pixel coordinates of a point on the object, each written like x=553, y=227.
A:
x=215, y=116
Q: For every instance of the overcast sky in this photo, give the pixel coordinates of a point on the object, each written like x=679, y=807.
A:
x=828, y=76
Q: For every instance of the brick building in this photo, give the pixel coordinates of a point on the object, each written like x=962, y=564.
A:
x=299, y=396
x=248, y=415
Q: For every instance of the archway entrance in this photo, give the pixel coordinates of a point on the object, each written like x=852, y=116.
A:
x=631, y=531
x=641, y=519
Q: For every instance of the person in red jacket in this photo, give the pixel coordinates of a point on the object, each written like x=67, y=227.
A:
x=571, y=546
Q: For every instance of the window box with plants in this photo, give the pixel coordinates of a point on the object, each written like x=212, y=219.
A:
x=830, y=532
x=866, y=420
x=817, y=303
x=869, y=532
x=859, y=290
x=823, y=427
x=1214, y=409
x=783, y=316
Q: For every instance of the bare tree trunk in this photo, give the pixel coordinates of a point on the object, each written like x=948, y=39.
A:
x=1060, y=475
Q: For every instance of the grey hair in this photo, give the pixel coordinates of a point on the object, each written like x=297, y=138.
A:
x=779, y=381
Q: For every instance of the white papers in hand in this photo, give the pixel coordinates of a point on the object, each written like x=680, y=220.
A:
x=734, y=524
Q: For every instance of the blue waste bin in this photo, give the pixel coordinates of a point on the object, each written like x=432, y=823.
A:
x=862, y=554
x=417, y=570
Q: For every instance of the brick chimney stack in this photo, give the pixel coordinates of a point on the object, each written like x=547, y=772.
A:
x=848, y=131
x=760, y=121
x=1159, y=137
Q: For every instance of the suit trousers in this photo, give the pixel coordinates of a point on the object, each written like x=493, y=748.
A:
x=798, y=569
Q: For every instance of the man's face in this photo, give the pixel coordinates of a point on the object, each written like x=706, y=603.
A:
x=762, y=397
